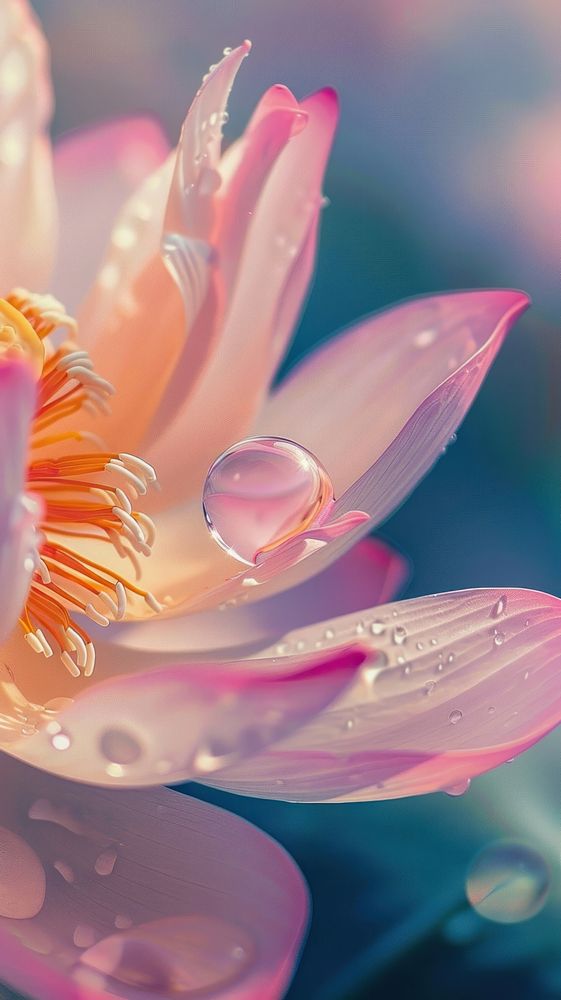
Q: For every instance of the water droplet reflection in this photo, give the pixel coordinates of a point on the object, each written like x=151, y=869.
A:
x=508, y=882
x=262, y=492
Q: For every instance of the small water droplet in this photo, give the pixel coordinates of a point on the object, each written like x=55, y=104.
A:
x=434, y=642
x=508, y=882
x=491, y=710
x=349, y=724
x=406, y=669
x=226, y=51
x=122, y=922
x=61, y=740
x=499, y=638
x=119, y=746
x=262, y=492
x=420, y=645
x=526, y=674
x=360, y=628
x=65, y=870
x=329, y=634
x=455, y=717
x=450, y=658
x=429, y=686
x=84, y=936
x=424, y=338
x=399, y=635
x=499, y=608
x=377, y=628
x=105, y=862
x=458, y=789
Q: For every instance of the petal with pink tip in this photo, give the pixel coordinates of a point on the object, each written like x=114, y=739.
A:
x=279, y=243
x=277, y=118
x=181, y=721
x=455, y=685
x=370, y=573
x=134, y=893
x=473, y=324
x=27, y=200
x=135, y=298
x=393, y=416
x=18, y=512
x=96, y=171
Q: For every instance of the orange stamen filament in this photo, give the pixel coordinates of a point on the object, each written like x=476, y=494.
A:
x=78, y=504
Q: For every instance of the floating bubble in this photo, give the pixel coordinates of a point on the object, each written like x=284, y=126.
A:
x=508, y=882
x=262, y=492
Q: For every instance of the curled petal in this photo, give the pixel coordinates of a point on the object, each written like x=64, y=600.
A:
x=96, y=171
x=455, y=684
x=181, y=721
x=27, y=200
x=18, y=513
x=140, y=893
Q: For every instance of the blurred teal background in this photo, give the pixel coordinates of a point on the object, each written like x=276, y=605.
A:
x=446, y=173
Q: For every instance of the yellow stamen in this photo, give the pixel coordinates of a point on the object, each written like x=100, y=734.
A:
x=88, y=495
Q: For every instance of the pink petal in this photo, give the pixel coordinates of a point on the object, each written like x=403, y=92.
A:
x=135, y=298
x=134, y=893
x=272, y=276
x=27, y=202
x=96, y=170
x=18, y=512
x=473, y=325
x=380, y=403
x=176, y=722
x=277, y=118
x=369, y=574
x=431, y=352
x=455, y=685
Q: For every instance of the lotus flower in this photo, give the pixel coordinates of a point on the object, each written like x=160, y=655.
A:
x=224, y=662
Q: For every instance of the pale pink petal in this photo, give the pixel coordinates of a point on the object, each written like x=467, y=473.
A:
x=96, y=171
x=348, y=402
x=135, y=311
x=470, y=324
x=175, y=722
x=18, y=512
x=27, y=201
x=276, y=119
x=129, y=894
x=455, y=685
x=272, y=276
x=379, y=403
x=369, y=574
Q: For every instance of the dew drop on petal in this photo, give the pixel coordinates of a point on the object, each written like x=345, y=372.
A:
x=508, y=882
x=399, y=635
x=174, y=956
x=262, y=492
x=119, y=746
x=458, y=789
x=22, y=878
x=455, y=717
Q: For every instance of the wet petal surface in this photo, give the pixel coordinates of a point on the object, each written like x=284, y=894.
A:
x=140, y=894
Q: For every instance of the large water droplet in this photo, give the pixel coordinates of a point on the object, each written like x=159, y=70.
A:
x=508, y=882
x=262, y=492
x=174, y=956
x=455, y=717
x=22, y=878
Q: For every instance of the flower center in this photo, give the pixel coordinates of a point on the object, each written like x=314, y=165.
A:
x=87, y=494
